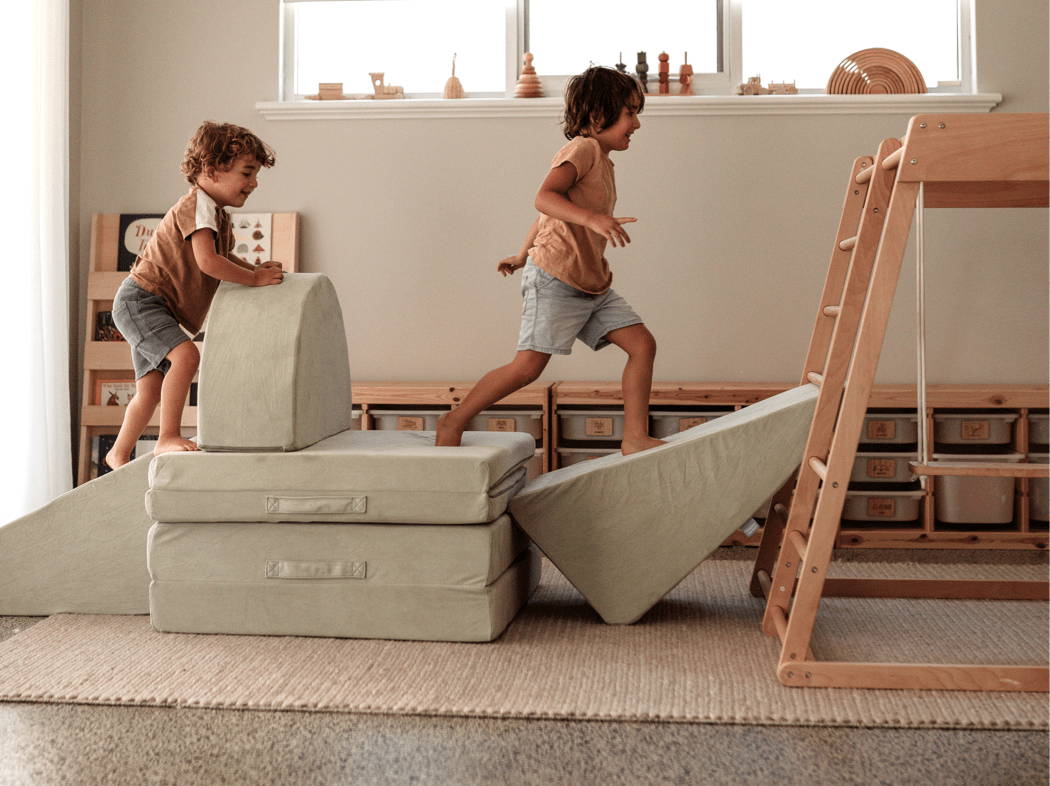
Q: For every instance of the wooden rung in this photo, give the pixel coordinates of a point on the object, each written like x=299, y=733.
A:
x=832, y=311
x=864, y=175
x=893, y=159
x=798, y=541
x=819, y=467
x=848, y=243
x=815, y=378
x=780, y=621
x=981, y=469
x=781, y=508
x=765, y=582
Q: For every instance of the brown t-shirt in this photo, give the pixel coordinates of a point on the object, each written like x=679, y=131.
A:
x=167, y=266
x=570, y=252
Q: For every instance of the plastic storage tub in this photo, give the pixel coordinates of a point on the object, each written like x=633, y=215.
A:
x=355, y=419
x=584, y=425
x=405, y=419
x=527, y=421
x=1039, y=491
x=890, y=428
x=887, y=506
x=871, y=467
x=1039, y=429
x=665, y=423
x=968, y=500
x=570, y=456
x=973, y=428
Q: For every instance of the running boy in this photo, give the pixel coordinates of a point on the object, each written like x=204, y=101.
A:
x=173, y=281
x=566, y=281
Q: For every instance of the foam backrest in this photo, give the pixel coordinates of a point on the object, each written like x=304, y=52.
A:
x=275, y=373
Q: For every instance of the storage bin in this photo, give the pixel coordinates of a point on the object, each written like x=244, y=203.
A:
x=527, y=421
x=889, y=506
x=534, y=467
x=1039, y=491
x=973, y=428
x=870, y=467
x=569, y=456
x=590, y=424
x=1038, y=429
x=355, y=419
x=665, y=423
x=890, y=428
x=963, y=500
x=406, y=419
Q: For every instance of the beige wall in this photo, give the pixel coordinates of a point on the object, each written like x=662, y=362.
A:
x=408, y=217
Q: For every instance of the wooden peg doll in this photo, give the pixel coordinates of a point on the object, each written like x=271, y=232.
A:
x=685, y=77
x=665, y=73
x=642, y=69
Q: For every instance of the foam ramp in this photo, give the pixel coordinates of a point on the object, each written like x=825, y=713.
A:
x=626, y=529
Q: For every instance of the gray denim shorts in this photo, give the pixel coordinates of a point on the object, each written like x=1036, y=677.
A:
x=150, y=328
x=554, y=314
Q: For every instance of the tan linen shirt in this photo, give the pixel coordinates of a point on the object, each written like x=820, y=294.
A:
x=167, y=266
x=570, y=252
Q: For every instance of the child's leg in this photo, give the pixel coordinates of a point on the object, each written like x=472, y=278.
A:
x=637, y=384
x=184, y=361
x=140, y=409
x=527, y=365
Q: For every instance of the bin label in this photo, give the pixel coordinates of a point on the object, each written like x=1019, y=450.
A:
x=882, y=468
x=502, y=424
x=882, y=429
x=406, y=423
x=598, y=427
x=974, y=429
x=688, y=423
x=882, y=507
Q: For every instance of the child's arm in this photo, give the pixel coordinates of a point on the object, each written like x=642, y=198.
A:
x=553, y=199
x=224, y=269
x=510, y=264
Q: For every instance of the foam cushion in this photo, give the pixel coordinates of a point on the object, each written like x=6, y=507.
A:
x=626, y=529
x=358, y=476
x=275, y=373
x=460, y=583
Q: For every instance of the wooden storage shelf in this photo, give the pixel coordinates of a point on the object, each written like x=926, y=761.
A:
x=112, y=359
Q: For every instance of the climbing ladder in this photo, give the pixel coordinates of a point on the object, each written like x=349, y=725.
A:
x=951, y=160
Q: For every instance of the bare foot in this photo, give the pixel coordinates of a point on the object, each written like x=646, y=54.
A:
x=448, y=434
x=629, y=446
x=173, y=445
x=113, y=461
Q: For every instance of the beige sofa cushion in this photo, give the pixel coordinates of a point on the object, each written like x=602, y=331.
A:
x=626, y=529
x=378, y=476
x=275, y=373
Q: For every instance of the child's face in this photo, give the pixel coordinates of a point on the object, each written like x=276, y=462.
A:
x=618, y=135
x=231, y=187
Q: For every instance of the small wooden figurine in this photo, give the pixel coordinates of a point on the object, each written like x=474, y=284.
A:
x=328, y=91
x=383, y=90
x=753, y=87
x=642, y=69
x=783, y=88
x=621, y=66
x=528, y=83
x=685, y=77
x=664, y=73
x=453, y=87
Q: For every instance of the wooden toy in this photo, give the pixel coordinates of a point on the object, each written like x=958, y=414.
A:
x=685, y=77
x=783, y=88
x=328, y=91
x=664, y=73
x=453, y=87
x=528, y=83
x=383, y=90
x=753, y=87
x=642, y=69
x=621, y=66
x=876, y=71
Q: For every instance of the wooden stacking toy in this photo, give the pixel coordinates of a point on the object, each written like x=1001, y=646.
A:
x=528, y=83
x=876, y=71
x=453, y=87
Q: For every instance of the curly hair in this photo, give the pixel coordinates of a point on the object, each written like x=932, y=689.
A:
x=217, y=145
x=595, y=98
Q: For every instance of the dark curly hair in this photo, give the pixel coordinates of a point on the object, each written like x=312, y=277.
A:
x=217, y=145
x=595, y=98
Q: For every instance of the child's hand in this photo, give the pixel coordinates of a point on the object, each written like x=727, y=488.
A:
x=507, y=266
x=270, y=264
x=264, y=276
x=610, y=228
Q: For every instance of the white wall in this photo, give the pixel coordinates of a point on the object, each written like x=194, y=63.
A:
x=408, y=217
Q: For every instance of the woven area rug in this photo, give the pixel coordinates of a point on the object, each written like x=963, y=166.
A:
x=699, y=656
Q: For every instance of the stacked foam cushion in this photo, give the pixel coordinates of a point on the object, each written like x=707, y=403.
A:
x=289, y=524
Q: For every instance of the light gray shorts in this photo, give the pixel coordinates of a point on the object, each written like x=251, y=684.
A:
x=147, y=323
x=554, y=314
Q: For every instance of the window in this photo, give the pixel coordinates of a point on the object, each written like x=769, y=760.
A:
x=412, y=41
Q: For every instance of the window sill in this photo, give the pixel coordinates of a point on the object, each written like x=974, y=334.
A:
x=802, y=104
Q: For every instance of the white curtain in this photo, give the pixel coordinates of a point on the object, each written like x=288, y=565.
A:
x=34, y=299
